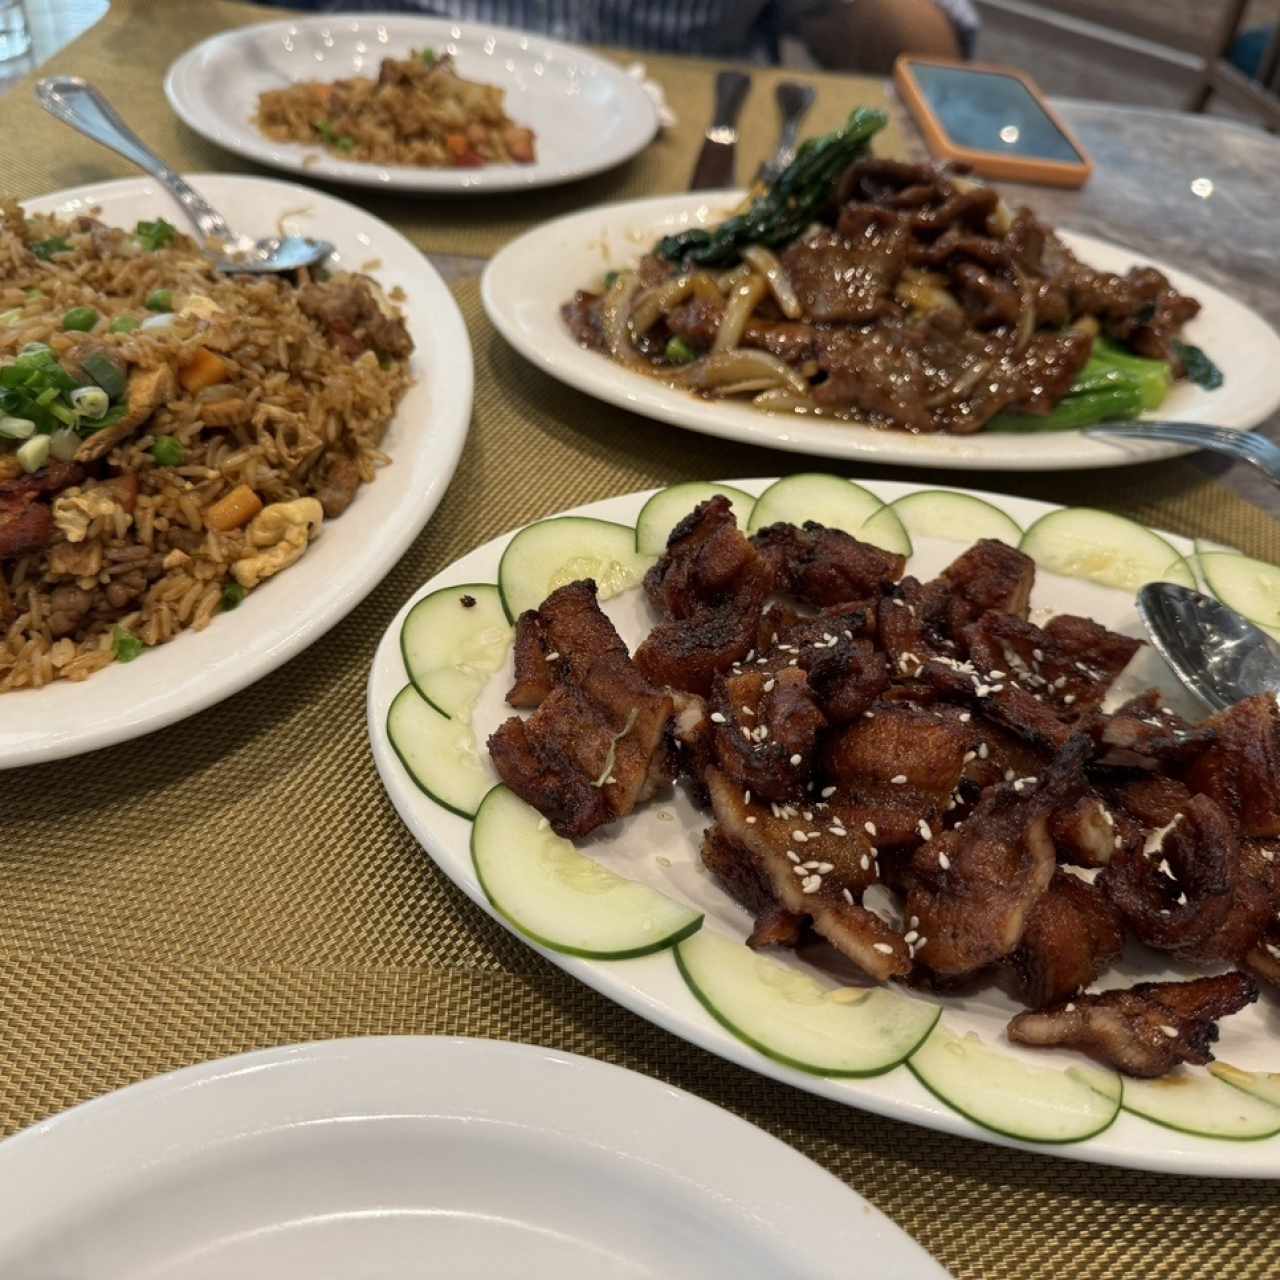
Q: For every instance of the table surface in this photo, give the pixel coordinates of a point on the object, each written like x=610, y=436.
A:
x=141, y=928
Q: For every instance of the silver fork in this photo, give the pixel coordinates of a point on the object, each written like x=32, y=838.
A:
x=1248, y=446
x=794, y=101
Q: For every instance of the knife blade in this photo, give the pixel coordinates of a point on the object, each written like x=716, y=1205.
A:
x=794, y=101
x=715, y=167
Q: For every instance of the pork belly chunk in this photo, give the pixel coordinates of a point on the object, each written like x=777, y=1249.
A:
x=825, y=566
x=1144, y=1030
x=988, y=576
x=1241, y=769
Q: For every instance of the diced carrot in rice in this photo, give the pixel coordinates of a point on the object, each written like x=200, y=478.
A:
x=233, y=509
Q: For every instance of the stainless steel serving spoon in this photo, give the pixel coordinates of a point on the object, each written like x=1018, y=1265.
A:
x=1248, y=446
x=1220, y=656
x=76, y=102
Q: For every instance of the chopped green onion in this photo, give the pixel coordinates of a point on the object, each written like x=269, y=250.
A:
x=123, y=324
x=107, y=372
x=35, y=349
x=90, y=402
x=610, y=279
x=68, y=417
x=345, y=143
x=168, y=452
x=160, y=300
x=155, y=235
x=428, y=56
x=34, y=453
x=45, y=249
x=35, y=295
x=232, y=596
x=80, y=319
x=86, y=427
x=125, y=645
x=679, y=351
x=11, y=319
x=17, y=428
x=64, y=444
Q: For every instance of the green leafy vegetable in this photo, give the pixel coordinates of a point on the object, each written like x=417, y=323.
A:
x=168, y=452
x=232, y=596
x=1153, y=376
x=45, y=249
x=1123, y=400
x=801, y=193
x=610, y=279
x=155, y=235
x=1200, y=369
x=106, y=371
x=125, y=645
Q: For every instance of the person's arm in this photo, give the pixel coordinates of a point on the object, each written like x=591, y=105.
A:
x=867, y=35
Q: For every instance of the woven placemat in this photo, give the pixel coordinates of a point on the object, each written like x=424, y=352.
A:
x=129, y=51
x=240, y=880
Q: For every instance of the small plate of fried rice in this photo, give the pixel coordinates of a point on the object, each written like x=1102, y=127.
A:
x=201, y=473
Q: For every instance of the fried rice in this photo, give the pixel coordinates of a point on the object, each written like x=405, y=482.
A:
x=418, y=112
x=101, y=556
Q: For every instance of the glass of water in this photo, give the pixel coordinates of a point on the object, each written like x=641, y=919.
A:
x=15, y=33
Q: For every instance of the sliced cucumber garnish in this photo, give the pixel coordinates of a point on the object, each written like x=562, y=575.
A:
x=452, y=641
x=1250, y=587
x=1204, y=545
x=561, y=898
x=886, y=531
x=836, y=503
x=792, y=1018
x=1194, y=1102
x=1080, y=542
x=936, y=513
x=439, y=753
x=553, y=552
x=1262, y=1084
x=668, y=507
x=1013, y=1097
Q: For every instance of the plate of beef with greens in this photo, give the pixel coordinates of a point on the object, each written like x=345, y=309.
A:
x=863, y=307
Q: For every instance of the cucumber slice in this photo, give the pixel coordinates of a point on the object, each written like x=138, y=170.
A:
x=1080, y=542
x=1207, y=544
x=1013, y=1097
x=936, y=513
x=452, y=641
x=793, y=1019
x=837, y=503
x=886, y=531
x=1249, y=586
x=1193, y=1102
x=439, y=753
x=549, y=554
x=1262, y=1084
x=667, y=508
x=559, y=897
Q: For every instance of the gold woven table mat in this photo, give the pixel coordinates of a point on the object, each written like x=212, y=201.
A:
x=128, y=52
x=240, y=880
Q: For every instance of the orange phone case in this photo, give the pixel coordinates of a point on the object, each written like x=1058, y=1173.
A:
x=991, y=164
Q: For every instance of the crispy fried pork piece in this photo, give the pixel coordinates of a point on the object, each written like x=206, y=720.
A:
x=821, y=876
x=738, y=873
x=597, y=744
x=1241, y=770
x=1084, y=832
x=1151, y=802
x=1263, y=958
x=1145, y=1030
x=910, y=627
x=765, y=731
x=846, y=678
x=896, y=768
x=1145, y=734
x=1175, y=889
x=973, y=888
x=826, y=566
x=693, y=739
x=989, y=576
x=1073, y=935
x=712, y=586
x=534, y=677
x=1254, y=908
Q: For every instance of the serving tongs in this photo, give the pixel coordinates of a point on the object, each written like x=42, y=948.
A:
x=76, y=102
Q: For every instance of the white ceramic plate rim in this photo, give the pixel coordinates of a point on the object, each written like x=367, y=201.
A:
x=47, y=1170
x=425, y=441
x=525, y=283
x=651, y=987
x=182, y=88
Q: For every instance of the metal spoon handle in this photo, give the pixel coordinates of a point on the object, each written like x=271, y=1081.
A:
x=76, y=102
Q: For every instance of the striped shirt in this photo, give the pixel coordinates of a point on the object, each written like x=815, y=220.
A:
x=706, y=28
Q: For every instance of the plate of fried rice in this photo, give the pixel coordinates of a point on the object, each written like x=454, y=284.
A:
x=411, y=103
x=201, y=473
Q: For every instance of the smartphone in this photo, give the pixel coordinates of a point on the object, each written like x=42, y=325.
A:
x=992, y=118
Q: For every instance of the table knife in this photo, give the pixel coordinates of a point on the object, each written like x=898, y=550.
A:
x=794, y=101
x=716, y=159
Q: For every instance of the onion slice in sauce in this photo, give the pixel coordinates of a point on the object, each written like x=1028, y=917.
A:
x=742, y=302
x=767, y=264
x=722, y=369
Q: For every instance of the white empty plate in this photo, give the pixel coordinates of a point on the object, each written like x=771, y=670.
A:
x=420, y=1156
x=588, y=115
